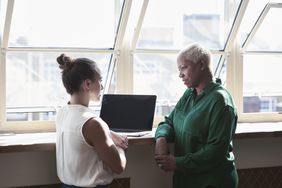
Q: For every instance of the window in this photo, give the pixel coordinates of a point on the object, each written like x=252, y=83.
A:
x=169, y=29
x=36, y=78
x=64, y=23
x=34, y=33
x=261, y=57
x=178, y=23
x=135, y=43
x=262, y=83
x=158, y=74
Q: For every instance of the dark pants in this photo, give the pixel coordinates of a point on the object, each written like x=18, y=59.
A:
x=72, y=186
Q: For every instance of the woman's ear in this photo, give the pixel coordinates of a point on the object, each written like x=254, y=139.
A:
x=202, y=64
x=86, y=84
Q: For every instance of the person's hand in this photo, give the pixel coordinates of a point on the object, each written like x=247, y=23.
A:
x=161, y=147
x=120, y=140
x=166, y=162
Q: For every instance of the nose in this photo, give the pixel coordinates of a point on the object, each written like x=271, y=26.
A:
x=102, y=87
x=180, y=75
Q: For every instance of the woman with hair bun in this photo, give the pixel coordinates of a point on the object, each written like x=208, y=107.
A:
x=87, y=152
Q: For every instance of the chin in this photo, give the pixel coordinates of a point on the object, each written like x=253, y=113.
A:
x=187, y=85
x=98, y=98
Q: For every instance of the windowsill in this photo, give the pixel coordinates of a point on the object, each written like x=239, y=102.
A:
x=33, y=142
x=258, y=130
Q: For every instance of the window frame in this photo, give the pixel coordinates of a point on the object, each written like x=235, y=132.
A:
x=254, y=117
x=122, y=59
x=47, y=126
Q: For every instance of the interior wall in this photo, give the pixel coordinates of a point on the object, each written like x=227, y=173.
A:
x=257, y=153
x=39, y=168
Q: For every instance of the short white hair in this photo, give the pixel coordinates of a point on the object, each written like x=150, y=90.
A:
x=195, y=53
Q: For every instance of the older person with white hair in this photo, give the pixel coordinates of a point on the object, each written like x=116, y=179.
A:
x=201, y=126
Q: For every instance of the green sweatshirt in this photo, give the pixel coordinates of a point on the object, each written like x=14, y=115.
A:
x=202, y=128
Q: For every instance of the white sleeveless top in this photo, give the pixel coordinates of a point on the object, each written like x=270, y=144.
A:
x=77, y=162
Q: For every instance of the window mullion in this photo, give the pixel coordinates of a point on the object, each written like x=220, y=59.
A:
x=4, y=45
x=234, y=78
x=2, y=90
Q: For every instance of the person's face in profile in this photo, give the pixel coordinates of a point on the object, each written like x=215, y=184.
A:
x=96, y=88
x=189, y=72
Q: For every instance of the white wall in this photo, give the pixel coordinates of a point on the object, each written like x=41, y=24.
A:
x=254, y=153
x=38, y=168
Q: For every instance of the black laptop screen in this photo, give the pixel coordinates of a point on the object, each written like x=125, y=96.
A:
x=128, y=113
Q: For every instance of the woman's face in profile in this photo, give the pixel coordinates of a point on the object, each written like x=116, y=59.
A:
x=189, y=72
x=96, y=88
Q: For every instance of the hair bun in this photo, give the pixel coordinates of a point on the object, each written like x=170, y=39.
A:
x=65, y=62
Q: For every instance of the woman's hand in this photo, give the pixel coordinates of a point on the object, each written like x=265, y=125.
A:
x=120, y=140
x=166, y=162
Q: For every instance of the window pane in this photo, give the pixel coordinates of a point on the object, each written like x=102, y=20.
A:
x=262, y=84
x=269, y=31
x=33, y=84
x=158, y=74
x=252, y=13
x=65, y=23
x=180, y=22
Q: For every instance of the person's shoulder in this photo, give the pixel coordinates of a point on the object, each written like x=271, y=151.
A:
x=220, y=93
x=95, y=129
x=82, y=111
x=95, y=123
x=60, y=109
x=219, y=90
x=61, y=112
x=187, y=93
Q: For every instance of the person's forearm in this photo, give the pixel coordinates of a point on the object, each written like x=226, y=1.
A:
x=112, y=133
x=122, y=157
x=162, y=146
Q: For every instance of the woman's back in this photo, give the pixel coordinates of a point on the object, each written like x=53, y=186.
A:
x=77, y=161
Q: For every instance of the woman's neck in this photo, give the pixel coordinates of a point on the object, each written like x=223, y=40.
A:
x=205, y=81
x=80, y=98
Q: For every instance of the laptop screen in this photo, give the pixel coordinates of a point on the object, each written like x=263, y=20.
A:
x=128, y=113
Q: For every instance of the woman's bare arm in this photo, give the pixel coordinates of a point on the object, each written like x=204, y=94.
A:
x=97, y=134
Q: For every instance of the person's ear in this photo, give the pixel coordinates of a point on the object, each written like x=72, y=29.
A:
x=202, y=64
x=86, y=84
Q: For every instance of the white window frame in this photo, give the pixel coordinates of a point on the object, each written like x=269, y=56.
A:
x=46, y=126
x=254, y=117
x=123, y=52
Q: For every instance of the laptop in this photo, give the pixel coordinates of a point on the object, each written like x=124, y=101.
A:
x=131, y=115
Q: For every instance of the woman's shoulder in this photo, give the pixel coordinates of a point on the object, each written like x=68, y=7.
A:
x=96, y=124
x=188, y=92
x=94, y=130
x=222, y=95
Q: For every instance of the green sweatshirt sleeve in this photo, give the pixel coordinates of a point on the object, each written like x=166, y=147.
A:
x=216, y=149
x=165, y=129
